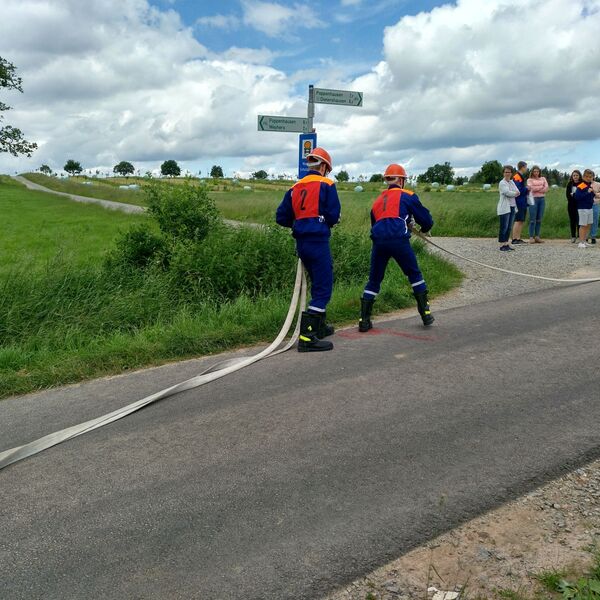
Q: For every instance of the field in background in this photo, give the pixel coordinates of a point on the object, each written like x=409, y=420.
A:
x=39, y=229
x=456, y=214
x=467, y=212
x=64, y=316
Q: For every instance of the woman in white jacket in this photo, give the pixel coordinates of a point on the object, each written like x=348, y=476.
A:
x=506, y=207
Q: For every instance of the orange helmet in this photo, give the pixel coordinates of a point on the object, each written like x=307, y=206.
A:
x=319, y=155
x=394, y=170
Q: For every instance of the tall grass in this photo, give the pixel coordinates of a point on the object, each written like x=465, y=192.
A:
x=74, y=314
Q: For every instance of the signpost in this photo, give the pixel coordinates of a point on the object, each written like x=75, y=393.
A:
x=344, y=97
x=272, y=123
x=307, y=143
x=308, y=140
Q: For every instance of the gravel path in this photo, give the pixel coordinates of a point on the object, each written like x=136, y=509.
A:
x=554, y=258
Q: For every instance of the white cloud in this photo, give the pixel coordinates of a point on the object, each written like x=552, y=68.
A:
x=519, y=73
x=220, y=21
x=137, y=86
x=111, y=80
x=277, y=20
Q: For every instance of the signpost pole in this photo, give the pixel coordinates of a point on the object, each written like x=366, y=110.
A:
x=311, y=107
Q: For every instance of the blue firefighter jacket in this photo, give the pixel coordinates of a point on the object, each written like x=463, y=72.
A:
x=583, y=196
x=311, y=207
x=392, y=212
x=521, y=199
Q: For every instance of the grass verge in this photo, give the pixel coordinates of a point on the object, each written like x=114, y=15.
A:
x=65, y=316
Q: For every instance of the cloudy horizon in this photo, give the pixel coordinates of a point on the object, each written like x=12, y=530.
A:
x=463, y=82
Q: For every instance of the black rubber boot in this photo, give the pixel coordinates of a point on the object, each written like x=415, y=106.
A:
x=325, y=329
x=423, y=307
x=308, y=340
x=366, y=307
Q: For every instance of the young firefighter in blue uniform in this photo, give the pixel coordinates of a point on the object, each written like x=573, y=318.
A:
x=391, y=218
x=311, y=208
x=521, y=202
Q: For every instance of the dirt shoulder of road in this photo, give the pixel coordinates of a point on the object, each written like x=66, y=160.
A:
x=555, y=528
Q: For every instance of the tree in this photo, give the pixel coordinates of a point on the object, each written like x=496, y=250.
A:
x=72, y=167
x=342, y=176
x=170, y=168
x=460, y=180
x=46, y=170
x=262, y=174
x=441, y=173
x=376, y=178
x=11, y=138
x=124, y=168
x=490, y=172
x=216, y=171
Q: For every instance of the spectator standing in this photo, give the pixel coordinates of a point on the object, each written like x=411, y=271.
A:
x=574, y=181
x=595, y=208
x=506, y=206
x=521, y=202
x=584, y=195
x=538, y=186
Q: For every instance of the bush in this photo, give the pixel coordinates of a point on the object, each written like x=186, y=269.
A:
x=264, y=262
x=139, y=247
x=183, y=212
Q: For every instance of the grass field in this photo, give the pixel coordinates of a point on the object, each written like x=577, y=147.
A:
x=64, y=317
x=462, y=213
x=39, y=229
x=96, y=189
x=466, y=212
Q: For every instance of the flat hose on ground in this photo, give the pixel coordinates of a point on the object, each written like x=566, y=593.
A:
x=476, y=262
x=297, y=305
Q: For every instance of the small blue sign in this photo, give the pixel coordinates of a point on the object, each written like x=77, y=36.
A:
x=307, y=143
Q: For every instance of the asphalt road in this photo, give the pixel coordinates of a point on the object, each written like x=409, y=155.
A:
x=300, y=473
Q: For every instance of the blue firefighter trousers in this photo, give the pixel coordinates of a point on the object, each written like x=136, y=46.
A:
x=401, y=251
x=316, y=258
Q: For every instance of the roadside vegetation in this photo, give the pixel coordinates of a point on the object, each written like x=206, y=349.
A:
x=85, y=291
x=558, y=584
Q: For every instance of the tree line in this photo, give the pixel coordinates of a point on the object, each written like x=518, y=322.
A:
x=490, y=172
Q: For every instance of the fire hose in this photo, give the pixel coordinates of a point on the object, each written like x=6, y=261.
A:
x=216, y=371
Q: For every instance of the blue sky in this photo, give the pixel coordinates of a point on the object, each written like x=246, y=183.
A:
x=150, y=80
x=349, y=34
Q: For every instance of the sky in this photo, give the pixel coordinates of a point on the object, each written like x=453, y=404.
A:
x=150, y=80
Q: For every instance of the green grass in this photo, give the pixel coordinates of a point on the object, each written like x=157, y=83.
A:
x=466, y=212
x=64, y=317
x=461, y=213
x=97, y=188
x=38, y=229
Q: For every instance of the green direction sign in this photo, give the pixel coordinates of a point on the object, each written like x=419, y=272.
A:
x=271, y=123
x=345, y=97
